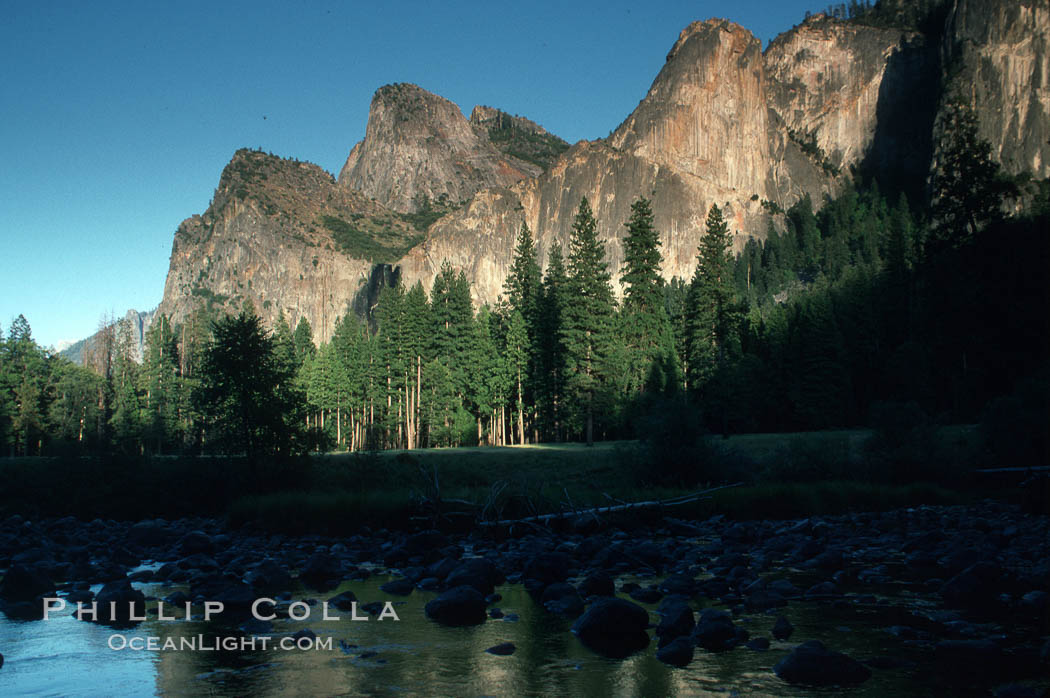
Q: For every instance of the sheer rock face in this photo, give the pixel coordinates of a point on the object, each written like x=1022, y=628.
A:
x=704, y=134
x=826, y=78
x=996, y=55
x=722, y=123
x=261, y=240
x=705, y=115
x=420, y=145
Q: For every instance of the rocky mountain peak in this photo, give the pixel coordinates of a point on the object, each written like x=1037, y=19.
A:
x=419, y=148
x=705, y=113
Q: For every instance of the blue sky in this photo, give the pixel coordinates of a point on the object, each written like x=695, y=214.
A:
x=116, y=119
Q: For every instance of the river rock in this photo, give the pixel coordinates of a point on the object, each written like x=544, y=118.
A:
x=676, y=620
x=268, y=575
x=613, y=627
x=970, y=652
x=562, y=599
x=237, y=598
x=548, y=568
x=442, y=568
x=678, y=652
x=782, y=628
x=812, y=664
x=503, y=649
x=123, y=594
x=977, y=586
x=646, y=595
x=196, y=542
x=715, y=631
x=398, y=587
x=462, y=605
x=476, y=572
x=23, y=583
x=763, y=600
x=322, y=570
x=343, y=601
x=598, y=584
x=680, y=584
x=758, y=644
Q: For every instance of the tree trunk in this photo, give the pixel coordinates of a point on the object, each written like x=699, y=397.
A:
x=590, y=422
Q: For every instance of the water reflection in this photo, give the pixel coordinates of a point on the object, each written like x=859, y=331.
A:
x=417, y=656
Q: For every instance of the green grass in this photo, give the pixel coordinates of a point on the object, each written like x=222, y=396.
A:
x=784, y=476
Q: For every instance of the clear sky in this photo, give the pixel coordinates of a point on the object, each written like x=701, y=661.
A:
x=116, y=118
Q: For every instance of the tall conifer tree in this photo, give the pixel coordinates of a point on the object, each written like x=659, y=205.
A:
x=712, y=315
x=647, y=331
x=588, y=319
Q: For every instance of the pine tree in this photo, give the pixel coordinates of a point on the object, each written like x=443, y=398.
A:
x=647, y=333
x=247, y=391
x=161, y=386
x=350, y=367
x=523, y=288
x=552, y=352
x=967, y=190
x=127, y=418
x=451, y=313
x=303, y=339
x=483, y=389
x=22, y=374
x=712, y=315
x=517, y=357
x=72, y=412
x=416, y=340
x=283, y=341
x=588, y=319
x=523, y=283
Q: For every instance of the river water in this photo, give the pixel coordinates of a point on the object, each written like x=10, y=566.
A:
x=415, y=656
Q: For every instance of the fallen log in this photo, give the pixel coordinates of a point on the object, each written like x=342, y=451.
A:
x=612, y=508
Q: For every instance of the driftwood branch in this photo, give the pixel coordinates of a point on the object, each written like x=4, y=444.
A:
x=625, y=506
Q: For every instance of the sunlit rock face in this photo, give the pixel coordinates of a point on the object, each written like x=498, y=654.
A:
x=703, y=134
x=722, y=123
x=996, y=57
x=826, y=79
x=262, y=240
x=417, y=145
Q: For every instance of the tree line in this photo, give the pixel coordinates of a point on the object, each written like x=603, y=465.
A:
x=836, y=314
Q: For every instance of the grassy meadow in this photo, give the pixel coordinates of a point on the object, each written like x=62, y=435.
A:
x=776, y=476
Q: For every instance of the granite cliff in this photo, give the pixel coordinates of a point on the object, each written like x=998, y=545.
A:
x=281, y=234
x=723, y=122
x=419, y=148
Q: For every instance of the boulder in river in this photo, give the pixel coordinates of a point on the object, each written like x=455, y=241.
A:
x=502, y=649
x=977, y=586
x=783, y=628
x=613, y=627
x=25, y=583
x=476, y=572
x=812, y=664
x=676, y=619
x=598, y=584
x=117, y=601
x=562, y=599
x=678, y=652
x=462, y=605
x=715, y=631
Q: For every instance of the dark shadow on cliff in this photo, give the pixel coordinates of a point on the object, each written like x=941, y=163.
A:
x=382, y=276
x=902, y=146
